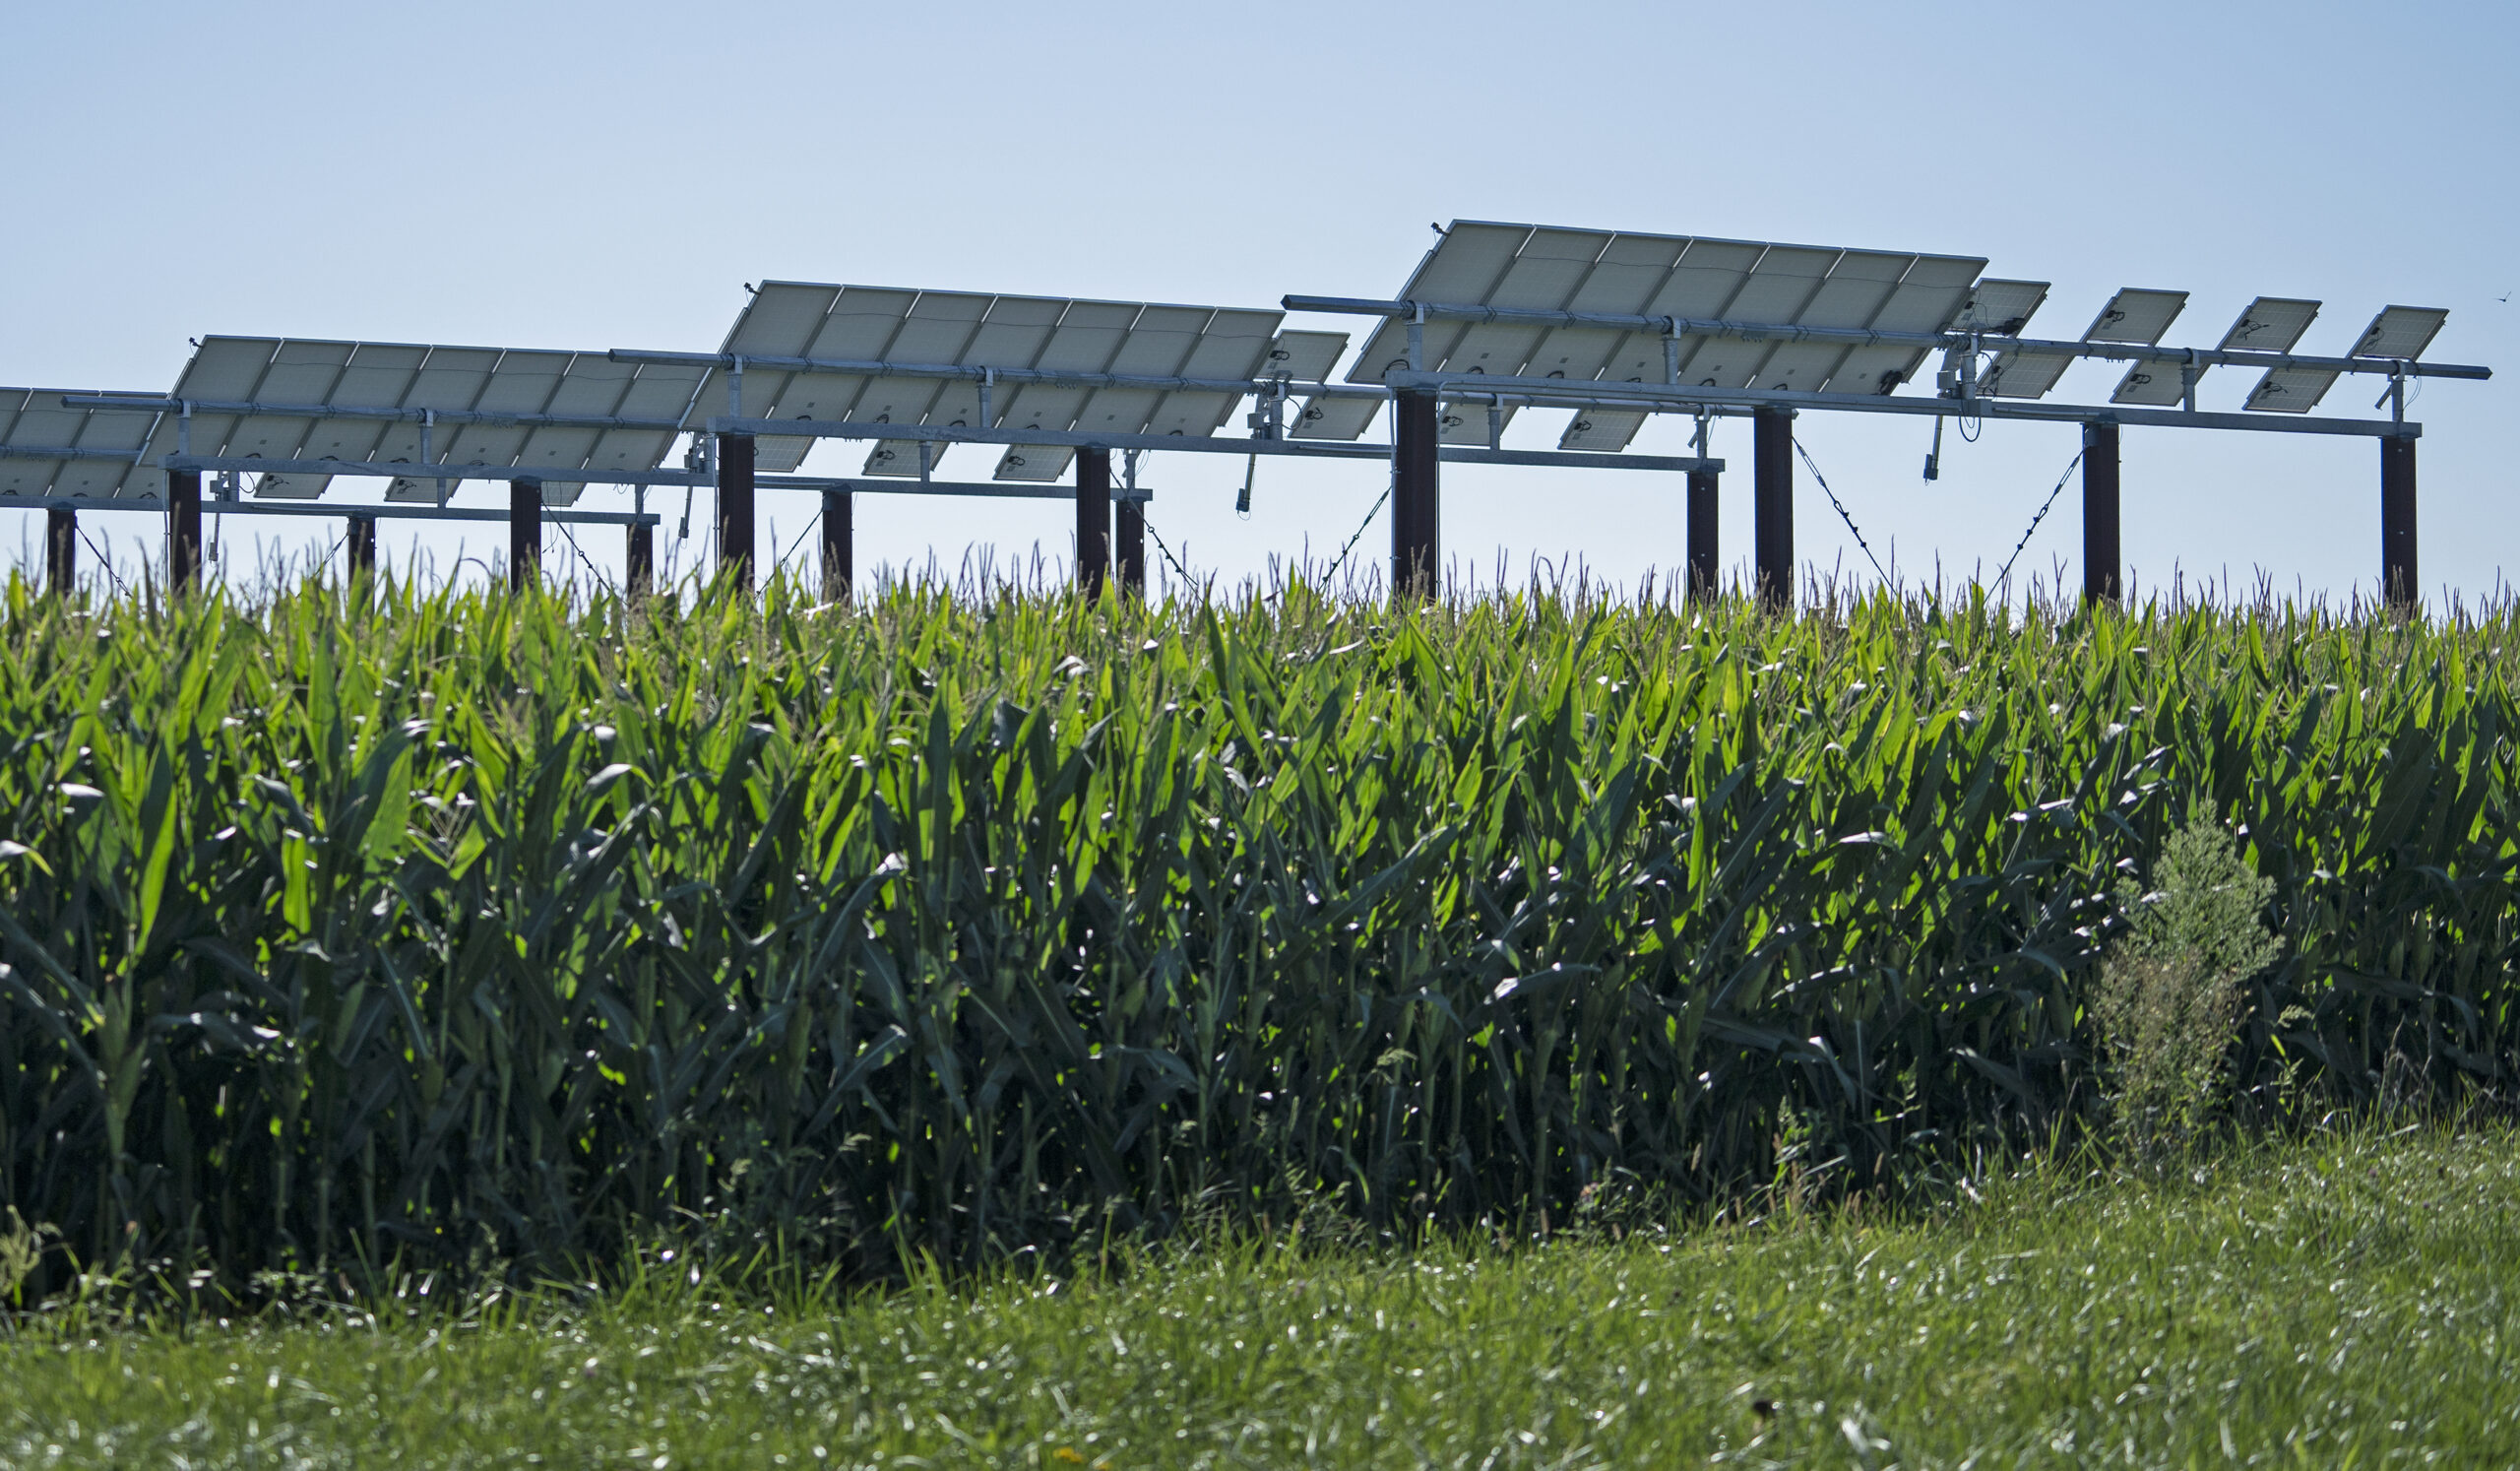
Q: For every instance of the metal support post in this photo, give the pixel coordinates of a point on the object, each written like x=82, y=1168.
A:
x=1416, y=496
x=2102, y=556
x=61, y=551
x=2398, y=583
x=525, y=533
x=840, y=551
x=1705, y=558
x=639, y=562
x=184, y=529
x=361, y=545
x=734, y=507
x=1772, y=509
x=1128, y=518
x=1092, y=519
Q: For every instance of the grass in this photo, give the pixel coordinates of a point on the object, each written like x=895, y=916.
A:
x=2344, y=1301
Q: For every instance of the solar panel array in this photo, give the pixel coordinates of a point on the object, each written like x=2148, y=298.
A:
x=270, y=395
x=1480, y=263
x=116, y=461
x=976, y=330
x=294, y=372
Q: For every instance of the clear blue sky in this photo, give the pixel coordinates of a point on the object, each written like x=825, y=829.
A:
x=589, y=176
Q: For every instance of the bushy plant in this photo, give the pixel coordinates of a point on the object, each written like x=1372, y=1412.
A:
x=2171, y=995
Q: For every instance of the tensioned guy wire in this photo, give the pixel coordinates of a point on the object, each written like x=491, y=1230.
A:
x=1843, y=514
x=2042, y=516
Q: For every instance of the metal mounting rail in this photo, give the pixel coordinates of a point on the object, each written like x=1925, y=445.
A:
x=1868, y=337
x=888, y=485
x=1207, y=444
x=1663, y=398
x=335, y=509
x=138, y=405
x=871, y=368
x=436, y=470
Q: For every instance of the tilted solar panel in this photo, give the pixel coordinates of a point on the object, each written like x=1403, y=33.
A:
x=113, y=456
x=932, y=330
x=1482, y=263
x=301, y=373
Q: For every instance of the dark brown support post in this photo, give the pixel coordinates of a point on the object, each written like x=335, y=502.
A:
x=1417, y=497
x=734, y=507
x=1129, y=535
x=361, y=545
x=525, y=533
x=184, y=529
x=2102, y=556
x=639, y=564
x=1092, y=519
x=1772, y=509
x=2398, y=583
x=1705, y=558
x=61, y=551
x=840, y=551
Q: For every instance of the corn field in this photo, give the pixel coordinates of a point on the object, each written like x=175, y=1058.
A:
x=348, y=929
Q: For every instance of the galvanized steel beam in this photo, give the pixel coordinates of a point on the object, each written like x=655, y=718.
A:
x=1868, y=337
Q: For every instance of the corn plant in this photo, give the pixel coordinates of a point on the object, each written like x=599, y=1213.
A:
x=345, y=929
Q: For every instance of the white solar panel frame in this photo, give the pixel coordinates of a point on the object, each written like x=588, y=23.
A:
x=2271, y=324
x=2020, y=375
x=1485, y=263
x=34, y=418
x=2402, y=331
x=342, y=374
x=2290, y=390
x=2000, y=307
x=2136, y=314
x=968, y=330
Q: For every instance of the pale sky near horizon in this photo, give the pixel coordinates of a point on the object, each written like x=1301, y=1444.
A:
x=588, y=177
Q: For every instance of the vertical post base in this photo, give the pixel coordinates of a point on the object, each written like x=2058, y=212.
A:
x=61, y=551
x=2398, y=584
x=1129, y=534
x=1772, y=512
x=360, y=545
x=2102, y=554
x=1092, y=519
x=525, y=533
x=1705, y=564
x=1417, y=497
x=735, y=508
x=184, y=529
x=840, y=551
x=639, y=561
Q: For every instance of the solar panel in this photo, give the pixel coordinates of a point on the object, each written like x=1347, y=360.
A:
x=1482, y=263
x=2400, y=332
x=2272, y=324
x=2000, y=308
x=2290, y=390
x=295, y=373
x=2136, y=316
x=976, y=330
x=2157, y=385
x=116, y=460
x=2021, y=374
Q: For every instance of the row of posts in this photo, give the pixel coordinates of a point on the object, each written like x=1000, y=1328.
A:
x=1417, y=506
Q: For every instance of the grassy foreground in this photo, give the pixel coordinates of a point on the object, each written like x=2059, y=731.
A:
x=2345, y=1302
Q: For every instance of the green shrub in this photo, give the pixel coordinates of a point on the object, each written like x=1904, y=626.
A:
x=2170, y=997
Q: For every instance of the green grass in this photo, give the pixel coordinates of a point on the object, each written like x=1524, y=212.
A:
x=2352, y=1299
